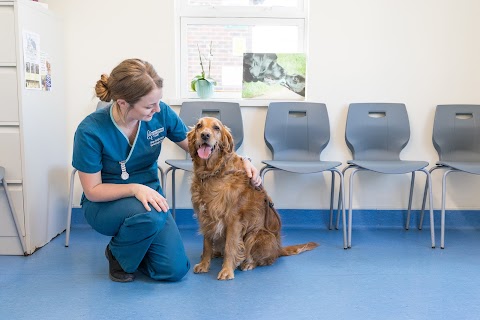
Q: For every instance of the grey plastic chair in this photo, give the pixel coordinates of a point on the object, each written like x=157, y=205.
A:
x=100, y=105
x=227, y=112
x=376, y=133
x=296, y=133
x=12, y=210
x=456, y=137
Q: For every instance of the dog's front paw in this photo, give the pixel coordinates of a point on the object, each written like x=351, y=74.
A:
x=225, y=274
x=201, y=267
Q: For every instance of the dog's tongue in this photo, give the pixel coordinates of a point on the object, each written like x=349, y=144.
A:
x=204, y=151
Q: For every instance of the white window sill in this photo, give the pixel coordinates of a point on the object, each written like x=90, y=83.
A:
x=242, y=102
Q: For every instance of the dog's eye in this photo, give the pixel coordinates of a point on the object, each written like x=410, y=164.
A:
x=216, y=128
x=199, y=125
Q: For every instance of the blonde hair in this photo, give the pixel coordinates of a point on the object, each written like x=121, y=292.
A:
x=130, y=80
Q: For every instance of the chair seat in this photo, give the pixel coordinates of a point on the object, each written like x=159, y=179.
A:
x=390, y=166
x=470, y=167
x=183, y=164
x=302, y=166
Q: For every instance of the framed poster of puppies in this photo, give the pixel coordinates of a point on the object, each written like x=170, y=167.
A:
x=274, y=76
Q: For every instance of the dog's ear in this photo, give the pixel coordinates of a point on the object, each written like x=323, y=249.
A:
x=227, y=140
x=191, y=138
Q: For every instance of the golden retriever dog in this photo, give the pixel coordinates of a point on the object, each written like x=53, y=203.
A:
x=237, y=220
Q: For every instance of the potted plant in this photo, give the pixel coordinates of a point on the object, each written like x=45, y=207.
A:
x=203, y=84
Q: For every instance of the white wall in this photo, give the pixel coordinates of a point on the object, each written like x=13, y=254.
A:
x=421, y=53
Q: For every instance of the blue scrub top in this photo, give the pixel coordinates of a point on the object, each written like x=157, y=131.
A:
x=99, y=145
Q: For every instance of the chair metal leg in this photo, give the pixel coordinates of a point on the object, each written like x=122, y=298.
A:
x=70, y=206
x=422, y=212
x=337, y=219
x=20, y=232
x=350, y=205
x=165, y=175
x=263, y=171
x=341, y=194
x=412, y=183
x=442, y=216
x=173, y=193
x=432, y=221
x=430, y=194
x=162, y=179
x=340, y=205
x=429, y=181
x=332, y=195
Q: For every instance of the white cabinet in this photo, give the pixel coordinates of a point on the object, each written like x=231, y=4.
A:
x=7, y=38
x=33, y=146
x=9, y=89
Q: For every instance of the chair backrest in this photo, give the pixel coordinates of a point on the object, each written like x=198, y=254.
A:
x=456, y=132
x=227, y=112
x=377, y=131
x=297, y=131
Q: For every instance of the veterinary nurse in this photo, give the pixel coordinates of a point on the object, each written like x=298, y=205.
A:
x=115, y=151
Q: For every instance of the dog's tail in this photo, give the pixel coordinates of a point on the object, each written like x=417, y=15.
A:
x=298, y=248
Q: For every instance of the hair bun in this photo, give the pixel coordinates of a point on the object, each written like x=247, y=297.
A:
x=101, y=89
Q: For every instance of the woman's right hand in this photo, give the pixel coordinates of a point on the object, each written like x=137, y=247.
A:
x=97, y=191
x=147, y=195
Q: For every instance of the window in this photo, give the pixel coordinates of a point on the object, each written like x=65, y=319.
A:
x=234, y=27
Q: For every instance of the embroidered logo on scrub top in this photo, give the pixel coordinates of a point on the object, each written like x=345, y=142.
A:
x=154, y=138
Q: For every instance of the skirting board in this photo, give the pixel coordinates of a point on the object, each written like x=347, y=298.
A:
x=313, y=219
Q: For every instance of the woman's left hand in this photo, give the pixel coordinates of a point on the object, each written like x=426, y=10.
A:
x=149, y=197
x=252, y=173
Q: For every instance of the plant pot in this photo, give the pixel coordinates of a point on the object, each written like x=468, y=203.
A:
x=204, y=89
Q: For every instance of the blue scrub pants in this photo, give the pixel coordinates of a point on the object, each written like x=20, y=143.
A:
x=145, y=240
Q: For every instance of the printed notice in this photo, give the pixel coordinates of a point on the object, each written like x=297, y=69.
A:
x=31, y=58
x=45, y=71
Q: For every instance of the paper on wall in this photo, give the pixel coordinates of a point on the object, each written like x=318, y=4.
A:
x=31, y=59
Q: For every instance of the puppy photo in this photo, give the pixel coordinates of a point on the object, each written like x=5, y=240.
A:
x=237, y=220
x=296, y=83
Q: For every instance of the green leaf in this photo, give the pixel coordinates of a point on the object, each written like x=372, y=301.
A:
x=194, y=81
x=201, y=77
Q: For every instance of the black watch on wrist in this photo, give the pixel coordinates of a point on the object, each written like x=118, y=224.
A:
x=247, y=158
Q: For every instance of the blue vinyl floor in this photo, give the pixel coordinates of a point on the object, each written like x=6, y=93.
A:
x=389, y=273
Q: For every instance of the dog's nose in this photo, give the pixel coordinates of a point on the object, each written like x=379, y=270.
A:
x=205, y=136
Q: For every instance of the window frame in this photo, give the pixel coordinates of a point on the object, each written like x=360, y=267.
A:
x=231, y=15
x=242, y=11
